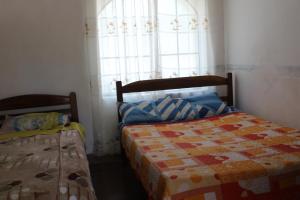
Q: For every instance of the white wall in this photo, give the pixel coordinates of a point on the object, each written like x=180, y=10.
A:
x=216, y=48
x=42, y=51
x=263, y=50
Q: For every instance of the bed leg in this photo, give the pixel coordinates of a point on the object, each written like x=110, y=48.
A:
x=123, y=155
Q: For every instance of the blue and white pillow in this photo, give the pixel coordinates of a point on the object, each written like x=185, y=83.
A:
x=173, y=109
x=233, y=109
x=141, y=112
x=167, y=109
x=203, y=111
x=186, y=110
x=210, y=101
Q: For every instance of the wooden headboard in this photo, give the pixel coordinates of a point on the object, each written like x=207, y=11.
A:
x=40, y=101
x=178, y=83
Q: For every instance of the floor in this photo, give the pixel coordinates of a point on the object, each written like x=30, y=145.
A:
x=115, y=180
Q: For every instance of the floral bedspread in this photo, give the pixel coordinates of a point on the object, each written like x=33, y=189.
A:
x=51, y=166
x=229, y=157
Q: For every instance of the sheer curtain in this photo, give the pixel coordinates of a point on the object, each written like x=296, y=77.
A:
x=138, y=40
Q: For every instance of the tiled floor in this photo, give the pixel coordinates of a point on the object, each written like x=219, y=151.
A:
x=114, y=180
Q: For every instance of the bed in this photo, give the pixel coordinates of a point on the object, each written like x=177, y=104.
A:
x=226, y=157
x=44, y=164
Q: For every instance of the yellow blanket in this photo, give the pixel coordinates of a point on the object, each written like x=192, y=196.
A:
x=73, y=125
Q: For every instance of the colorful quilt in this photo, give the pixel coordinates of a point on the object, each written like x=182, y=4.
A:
x=45, y=167
x=229, y=157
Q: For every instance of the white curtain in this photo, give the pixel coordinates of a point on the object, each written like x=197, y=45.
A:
x=132, y=40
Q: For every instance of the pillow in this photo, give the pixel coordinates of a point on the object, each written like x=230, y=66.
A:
x=173, y=109
x=141, y=112
x=186, y=109
x=209, y=101
x=233, y=109
x=167, y=109
x=203, y=111
x=35, y=121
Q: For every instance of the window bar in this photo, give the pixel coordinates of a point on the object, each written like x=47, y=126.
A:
x=155, y=36
x=124, y=41
x=137, y=40
x=177, y=38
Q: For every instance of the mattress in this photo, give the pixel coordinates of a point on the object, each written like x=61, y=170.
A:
x=44, y=166
x=229, y=157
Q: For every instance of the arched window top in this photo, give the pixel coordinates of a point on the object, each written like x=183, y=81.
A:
x=176, y=8
x=130, y=8
x=166, y=15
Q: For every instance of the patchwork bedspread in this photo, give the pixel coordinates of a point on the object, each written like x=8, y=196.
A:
x=229, y=157
x=43, y=167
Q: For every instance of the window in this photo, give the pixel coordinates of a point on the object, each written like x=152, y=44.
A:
x=146, y=39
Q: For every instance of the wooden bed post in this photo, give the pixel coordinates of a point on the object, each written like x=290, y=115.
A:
x=119, y=96
x=229, y=89
x=119, y=91
x=74, y=110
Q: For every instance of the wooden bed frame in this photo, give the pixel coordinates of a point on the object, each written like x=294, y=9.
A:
x=177, y=83
x=40, y=101
x=174, y=83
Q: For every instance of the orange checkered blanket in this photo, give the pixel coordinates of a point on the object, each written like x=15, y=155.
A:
x=229, y=157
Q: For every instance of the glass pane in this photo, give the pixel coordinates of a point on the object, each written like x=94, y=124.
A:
x=188, y=62
x=109, y=66
x=131, y=46
x=166, y=23
x=108, y=11
x=129, y=8
x=167, y=7
x=188, y=24
x=144, y=46
x=169, y=62
x=187, y=43
x=145, y=64
x=132, y=66
x=185, y=8
x=144, y=7
x=129, y=25
x=118, y=8
x=186, y=72
x=145, y=76
x=169, y=73
x=168, y=43
x=109, y=46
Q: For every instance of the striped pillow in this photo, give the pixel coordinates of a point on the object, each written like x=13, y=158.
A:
x=141, y=112
x=172, y=109
x=187, y=111
x=167, y=109
x=204, y=111
x=211, y=101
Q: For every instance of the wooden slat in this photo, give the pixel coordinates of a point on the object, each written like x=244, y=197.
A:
x=33, y=101
x=173, y=83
